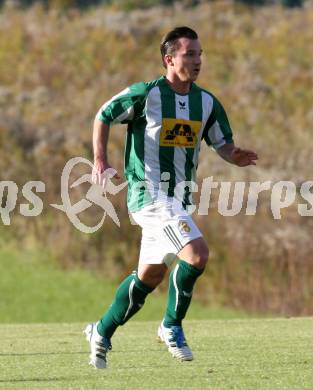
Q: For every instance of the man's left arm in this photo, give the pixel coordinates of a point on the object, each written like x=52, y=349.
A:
x=218, y=134
x=234, y=155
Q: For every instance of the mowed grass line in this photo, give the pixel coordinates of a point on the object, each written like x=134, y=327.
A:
x=229, y=354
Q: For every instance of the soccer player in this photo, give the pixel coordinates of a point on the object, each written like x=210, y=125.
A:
x=167, y=120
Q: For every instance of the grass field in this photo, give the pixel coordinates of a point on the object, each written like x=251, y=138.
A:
x=229, y=354
x=33, y=289
x=44, y=310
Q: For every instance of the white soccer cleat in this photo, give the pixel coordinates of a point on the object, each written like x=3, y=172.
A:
x=99, y=346
x=174, y=339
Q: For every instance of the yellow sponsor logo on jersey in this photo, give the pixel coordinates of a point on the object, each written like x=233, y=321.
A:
x=179, y=132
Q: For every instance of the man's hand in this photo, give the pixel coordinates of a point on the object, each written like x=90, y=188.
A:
x=242, y=157
x=237, y=156
x=100, y=171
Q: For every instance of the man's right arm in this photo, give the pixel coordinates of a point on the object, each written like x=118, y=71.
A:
x=119, y=109
x=100, y=139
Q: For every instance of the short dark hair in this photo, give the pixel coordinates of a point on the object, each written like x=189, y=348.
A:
x=169, y=43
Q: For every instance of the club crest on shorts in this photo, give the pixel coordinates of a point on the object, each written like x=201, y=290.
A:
x=184, y=227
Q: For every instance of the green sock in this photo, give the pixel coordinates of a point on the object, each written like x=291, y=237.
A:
x=181, y=282
x=130, y=297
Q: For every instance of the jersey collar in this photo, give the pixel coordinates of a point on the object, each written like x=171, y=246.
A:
x=165, y=83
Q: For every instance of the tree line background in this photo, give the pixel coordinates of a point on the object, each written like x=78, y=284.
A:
x=133, y=4
x=57, y=69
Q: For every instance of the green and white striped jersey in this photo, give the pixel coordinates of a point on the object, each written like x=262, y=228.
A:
x=164, y=134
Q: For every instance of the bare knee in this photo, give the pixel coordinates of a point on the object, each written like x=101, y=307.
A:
x=200, y=258
x=152, y=274
x=196, y=253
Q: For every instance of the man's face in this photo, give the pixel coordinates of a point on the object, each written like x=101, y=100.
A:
x=186, y=61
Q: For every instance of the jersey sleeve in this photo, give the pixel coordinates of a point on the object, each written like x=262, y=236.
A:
x=123, y=107
x=217, y=131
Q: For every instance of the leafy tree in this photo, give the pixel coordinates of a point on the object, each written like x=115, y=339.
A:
x=251, y=2
x=292, y=3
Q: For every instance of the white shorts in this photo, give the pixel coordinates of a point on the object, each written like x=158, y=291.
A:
x=166, y=229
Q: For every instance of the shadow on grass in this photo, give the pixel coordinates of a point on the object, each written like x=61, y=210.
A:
x=115, y=352
x=42, y=353
x=52, y=379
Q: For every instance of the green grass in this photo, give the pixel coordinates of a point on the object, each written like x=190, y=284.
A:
x=32, y=289
x=229, y=354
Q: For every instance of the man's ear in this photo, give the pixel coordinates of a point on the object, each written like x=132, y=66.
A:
x=168, y=59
